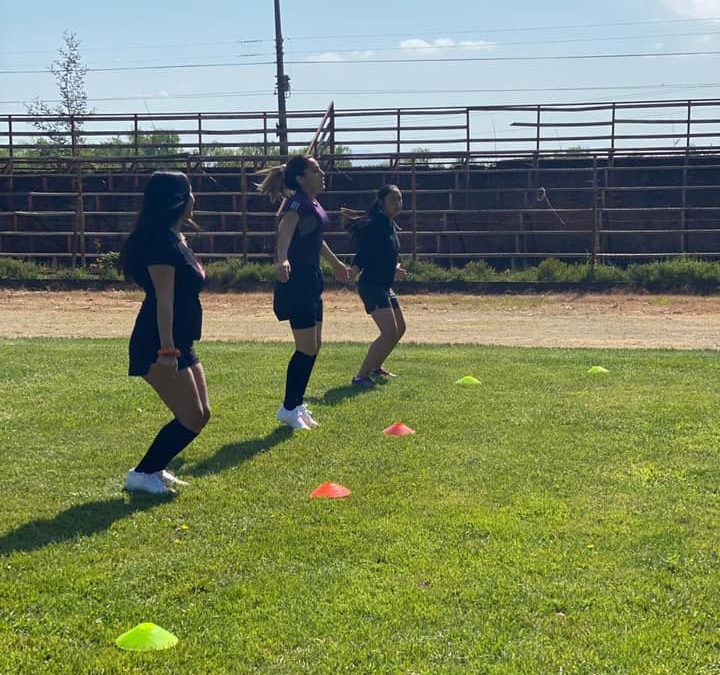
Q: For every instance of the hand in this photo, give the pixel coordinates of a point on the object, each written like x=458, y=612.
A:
x=342, y=274
x=282, y=270
x=167, y=364
x=354, y=271
x=400, y=273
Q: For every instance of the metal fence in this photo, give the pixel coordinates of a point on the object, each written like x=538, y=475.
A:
x=599, y=181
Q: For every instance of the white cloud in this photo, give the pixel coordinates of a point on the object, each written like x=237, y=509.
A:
x=335, y=57
x=411, y=47
x=326, y=56
x=420, y=46
x=476, y=44
x=694, y=9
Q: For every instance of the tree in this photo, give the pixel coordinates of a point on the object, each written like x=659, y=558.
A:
x=69, y=72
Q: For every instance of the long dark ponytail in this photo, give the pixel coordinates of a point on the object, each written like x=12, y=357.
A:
x=165, y=199
x=279, y=181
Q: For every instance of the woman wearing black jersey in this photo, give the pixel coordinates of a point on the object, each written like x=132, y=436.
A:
x=156, y=256
x=297, y=297
x=376, y=260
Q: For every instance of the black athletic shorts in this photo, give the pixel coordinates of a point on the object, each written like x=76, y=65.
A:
x=143, y=355
x=299, y=300
x=377, y=297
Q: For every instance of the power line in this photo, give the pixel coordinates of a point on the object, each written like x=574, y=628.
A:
x=365, y=92
x=366, y=36
x=648, y=22
x=512, y=44
x=481, y=44
x=467, y=59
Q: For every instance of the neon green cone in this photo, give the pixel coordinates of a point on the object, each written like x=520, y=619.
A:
x=145, y=637
x=468, y=380
x=598, y=369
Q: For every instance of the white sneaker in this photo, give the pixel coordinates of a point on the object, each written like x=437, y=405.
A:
x=166, y=477
x=307, y=417
x=293, y=418
x=146, y=482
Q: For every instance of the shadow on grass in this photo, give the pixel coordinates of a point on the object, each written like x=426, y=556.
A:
x=81, y=520
x=236, y=453
x=339, y=394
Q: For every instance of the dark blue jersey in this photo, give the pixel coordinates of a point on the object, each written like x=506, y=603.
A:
x=166, y=249
x=377, y=250
x=306, y=243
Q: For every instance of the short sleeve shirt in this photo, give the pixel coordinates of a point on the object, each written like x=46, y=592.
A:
x=306, y=243
x=166, y=249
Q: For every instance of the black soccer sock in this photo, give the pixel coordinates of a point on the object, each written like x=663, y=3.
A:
x=309, y=365
x=298, y=374
x=170, y=441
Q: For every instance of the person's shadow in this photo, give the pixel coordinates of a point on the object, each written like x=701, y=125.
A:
x=339, y=394
x=236, y=453
x=81, y=520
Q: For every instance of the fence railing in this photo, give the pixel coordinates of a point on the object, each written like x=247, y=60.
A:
x=640, y=180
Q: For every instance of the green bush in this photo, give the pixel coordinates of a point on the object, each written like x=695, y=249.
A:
x=230, y=273
x=12, y=268
x=420, y=270
x=687, y=275
x=106, y=265
x=479, y=271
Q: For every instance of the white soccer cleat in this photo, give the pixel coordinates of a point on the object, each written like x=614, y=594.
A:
x=146, y=482
x=166, y=477
x=293, y=418
x=307, y=417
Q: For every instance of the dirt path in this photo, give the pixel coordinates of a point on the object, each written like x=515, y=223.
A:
x=557, y=320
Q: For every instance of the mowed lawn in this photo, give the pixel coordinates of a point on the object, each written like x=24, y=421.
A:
x=546, y=521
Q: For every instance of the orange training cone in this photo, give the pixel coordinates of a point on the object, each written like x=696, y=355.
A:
x=398, y=429
x=330, y=491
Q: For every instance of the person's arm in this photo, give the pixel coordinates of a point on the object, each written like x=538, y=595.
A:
x=359, y=261
x=163, y=278
x=341, y=271
x=286, y=229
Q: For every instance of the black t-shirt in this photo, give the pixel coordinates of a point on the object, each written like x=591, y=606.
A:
x=306, y=242
x=166, y=249
x=378, y=247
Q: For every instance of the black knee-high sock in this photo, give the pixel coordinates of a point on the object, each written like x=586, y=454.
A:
x=306, y=377
x=171, y=439
x=298, y=374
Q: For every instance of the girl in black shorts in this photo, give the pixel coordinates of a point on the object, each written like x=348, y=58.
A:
x=376, y=260
x=157, y=257
x=298, y=290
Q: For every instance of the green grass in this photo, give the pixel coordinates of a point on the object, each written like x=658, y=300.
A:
x=547, y=521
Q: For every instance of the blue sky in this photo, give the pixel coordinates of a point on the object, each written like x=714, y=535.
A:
x=328, y=46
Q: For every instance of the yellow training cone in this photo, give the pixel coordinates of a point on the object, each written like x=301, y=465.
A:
x=468, y=380
x=595, y=370
x=145, y=637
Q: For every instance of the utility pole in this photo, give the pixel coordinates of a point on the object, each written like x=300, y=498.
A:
x=282, y=85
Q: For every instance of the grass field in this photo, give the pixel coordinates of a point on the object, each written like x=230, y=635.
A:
x=547, y=521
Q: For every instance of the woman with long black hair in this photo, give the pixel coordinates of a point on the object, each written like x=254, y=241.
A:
x=376, y=260
x=298, y=291
x=157, y=257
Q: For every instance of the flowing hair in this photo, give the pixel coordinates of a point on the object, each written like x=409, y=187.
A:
x=280, y=181
x=166, y=197
x=354, y=221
